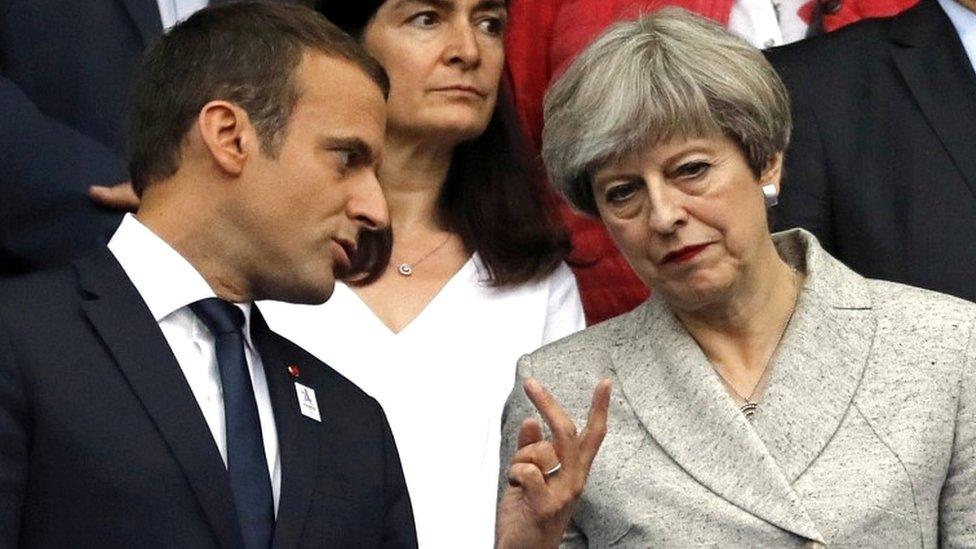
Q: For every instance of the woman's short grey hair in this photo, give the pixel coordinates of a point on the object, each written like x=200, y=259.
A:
x=668, y=75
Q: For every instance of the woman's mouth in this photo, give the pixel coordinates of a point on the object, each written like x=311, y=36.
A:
x=683, y=255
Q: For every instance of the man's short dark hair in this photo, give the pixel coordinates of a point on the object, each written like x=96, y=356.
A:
x=246, y=53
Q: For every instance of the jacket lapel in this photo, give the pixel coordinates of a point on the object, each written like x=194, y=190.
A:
x=928, y=54
x=120, y=317
x=680, y=401
x=299, y=438
x=145, y=15
x=821, y=359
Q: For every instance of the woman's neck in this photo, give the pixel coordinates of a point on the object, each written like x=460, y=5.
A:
x=742, y=331
x=413, y=174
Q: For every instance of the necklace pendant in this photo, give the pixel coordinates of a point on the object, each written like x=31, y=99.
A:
x=748, y=409
x=405, y=269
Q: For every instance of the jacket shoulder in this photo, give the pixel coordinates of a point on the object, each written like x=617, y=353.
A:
x=598, y=340
x=917, y=309
x=834, y=51
x=29, y=296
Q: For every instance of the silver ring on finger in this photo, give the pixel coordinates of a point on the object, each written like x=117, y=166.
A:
x=552, y=471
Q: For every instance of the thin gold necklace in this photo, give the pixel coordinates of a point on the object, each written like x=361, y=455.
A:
x=749, y=407
x=406, y=268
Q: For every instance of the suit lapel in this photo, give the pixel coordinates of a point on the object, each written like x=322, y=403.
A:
x=145, y=15
x=820, y=362
x=120, y=317
x=299, y=438
x=681, y=402
x=928, y=54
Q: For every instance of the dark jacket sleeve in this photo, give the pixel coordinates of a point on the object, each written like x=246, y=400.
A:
x=400, y=531
x=805, y=197
x=13, y=444
x=46, y=167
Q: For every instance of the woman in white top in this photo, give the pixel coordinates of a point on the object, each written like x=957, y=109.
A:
x=476, y=277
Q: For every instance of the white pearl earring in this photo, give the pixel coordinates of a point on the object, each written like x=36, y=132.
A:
x=770, y=195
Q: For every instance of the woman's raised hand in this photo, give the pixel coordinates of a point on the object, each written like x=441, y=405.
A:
x=546, y=478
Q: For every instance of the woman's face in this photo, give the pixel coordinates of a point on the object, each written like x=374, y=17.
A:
x=689, y=217
x=444, y=59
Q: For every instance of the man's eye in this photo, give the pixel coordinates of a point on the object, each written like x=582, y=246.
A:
x=424, y=20
x=493, y=26
x=346, y=157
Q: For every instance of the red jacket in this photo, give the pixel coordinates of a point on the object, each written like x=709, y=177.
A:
x=543, y=38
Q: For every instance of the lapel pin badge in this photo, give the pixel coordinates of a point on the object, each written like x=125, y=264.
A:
x=294, y=371
x=307, y=402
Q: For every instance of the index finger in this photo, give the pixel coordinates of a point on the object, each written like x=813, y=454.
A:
x=562, y=427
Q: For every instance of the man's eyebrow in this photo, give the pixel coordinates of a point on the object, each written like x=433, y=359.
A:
x=440, y=4
x=360, y=148
x=449, y=5
x=491, y=5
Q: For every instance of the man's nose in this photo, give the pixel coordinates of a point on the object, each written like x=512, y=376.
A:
x=367, y=204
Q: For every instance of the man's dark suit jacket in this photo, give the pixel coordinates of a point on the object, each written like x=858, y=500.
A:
x=882, y=167
x=102, y=443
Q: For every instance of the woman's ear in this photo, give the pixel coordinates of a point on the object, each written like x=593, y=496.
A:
x=773, y=172
x=227, y=134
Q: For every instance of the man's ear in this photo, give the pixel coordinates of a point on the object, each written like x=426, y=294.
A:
x=226, y=132
x=773, y=172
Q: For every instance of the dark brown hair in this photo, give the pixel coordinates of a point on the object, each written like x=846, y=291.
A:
x=246, y=53
x=493, y=197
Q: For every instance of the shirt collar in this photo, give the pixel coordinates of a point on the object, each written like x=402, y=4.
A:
x=166, y=281
x=964, y=21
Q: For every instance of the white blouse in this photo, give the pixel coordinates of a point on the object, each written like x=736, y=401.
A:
x=443, y=381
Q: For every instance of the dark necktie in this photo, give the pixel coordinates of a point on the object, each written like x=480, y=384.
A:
x=246, y=462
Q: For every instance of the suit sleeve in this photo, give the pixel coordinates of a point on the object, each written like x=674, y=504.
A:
x=46, y=217
x=13, y=444
x=957, y=505
x=399, y=528
x=805, y=197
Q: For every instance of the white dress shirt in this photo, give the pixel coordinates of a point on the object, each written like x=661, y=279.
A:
x=443, y=381
x=169, y=284
x=768, y=23
x=964, y=21
x=172, y=12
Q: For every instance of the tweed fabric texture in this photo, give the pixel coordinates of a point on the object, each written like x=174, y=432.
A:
x=865, y=435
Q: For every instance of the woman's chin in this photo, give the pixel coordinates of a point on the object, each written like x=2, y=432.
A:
x=457, y=125
x=695, y=293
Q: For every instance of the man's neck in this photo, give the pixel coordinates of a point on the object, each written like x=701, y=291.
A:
x=189, y=228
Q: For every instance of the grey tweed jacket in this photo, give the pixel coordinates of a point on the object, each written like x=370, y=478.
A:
x=865, y=434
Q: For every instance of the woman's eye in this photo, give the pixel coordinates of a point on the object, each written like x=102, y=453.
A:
x=493, y=26
x=620, y=193
x=424, y=20
x=690, y=170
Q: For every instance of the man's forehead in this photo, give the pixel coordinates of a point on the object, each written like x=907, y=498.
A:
x=318, y=68
x=325, y=80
